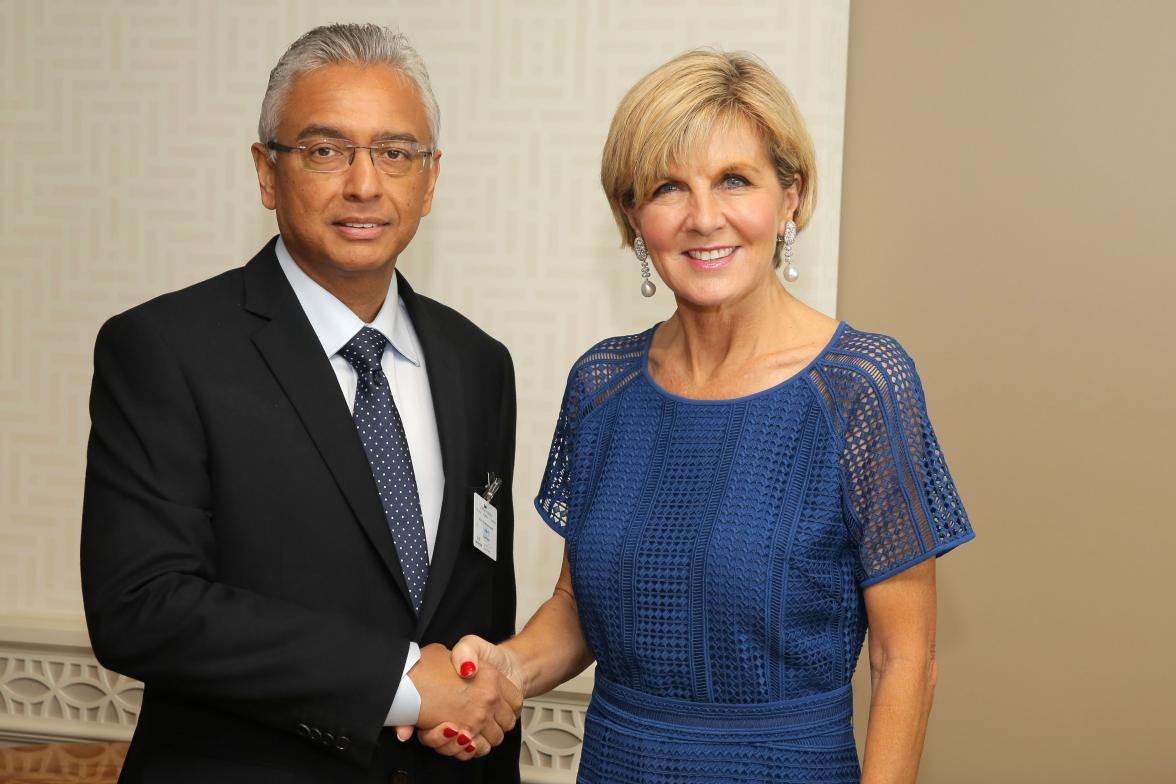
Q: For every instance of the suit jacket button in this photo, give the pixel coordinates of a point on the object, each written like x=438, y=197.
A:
x=342, y=743
x=316, y=734
x=400, y=777
x=303, y=730
x=328, y=738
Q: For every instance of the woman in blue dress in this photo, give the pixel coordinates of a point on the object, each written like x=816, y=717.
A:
x=743, y=488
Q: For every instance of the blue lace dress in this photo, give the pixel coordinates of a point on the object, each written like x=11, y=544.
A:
x=719, y=550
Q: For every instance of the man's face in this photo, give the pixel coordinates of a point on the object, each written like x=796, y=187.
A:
x=361, y=104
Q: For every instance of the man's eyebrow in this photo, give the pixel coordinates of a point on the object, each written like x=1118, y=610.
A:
x=321, y=131
x=396, y=136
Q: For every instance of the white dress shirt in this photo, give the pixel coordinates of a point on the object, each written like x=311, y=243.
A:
x=403, y=363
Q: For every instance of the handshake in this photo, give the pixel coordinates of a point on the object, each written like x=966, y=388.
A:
x=470, y=697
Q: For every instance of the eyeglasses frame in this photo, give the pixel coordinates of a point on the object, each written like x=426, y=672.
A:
x=419, y=150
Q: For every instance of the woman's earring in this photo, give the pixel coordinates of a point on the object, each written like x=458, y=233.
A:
x=790, y=273
x=642, y=253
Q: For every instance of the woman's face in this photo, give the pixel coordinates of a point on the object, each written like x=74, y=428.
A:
x=711, y=224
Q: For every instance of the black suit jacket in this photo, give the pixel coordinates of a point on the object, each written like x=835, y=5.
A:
x=235, y=556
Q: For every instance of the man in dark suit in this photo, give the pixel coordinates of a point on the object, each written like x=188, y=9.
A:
x=280, y=529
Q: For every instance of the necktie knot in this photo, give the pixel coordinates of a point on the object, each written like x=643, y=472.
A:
x=363, y=351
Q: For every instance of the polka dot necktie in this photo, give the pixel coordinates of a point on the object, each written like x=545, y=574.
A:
x=382, y=433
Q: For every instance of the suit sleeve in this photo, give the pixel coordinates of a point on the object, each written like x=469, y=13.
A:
x=154, y=607
x=504, y=588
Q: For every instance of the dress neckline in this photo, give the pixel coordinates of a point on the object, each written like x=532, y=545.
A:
x=841, y=325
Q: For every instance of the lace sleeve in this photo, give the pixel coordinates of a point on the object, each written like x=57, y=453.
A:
x=899, y=497
x=597, y=375
x=555, y=488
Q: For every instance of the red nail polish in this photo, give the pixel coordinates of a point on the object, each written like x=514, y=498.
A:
x=449, y=732
x=463, y=739
x=468, y=669
x=471, y=749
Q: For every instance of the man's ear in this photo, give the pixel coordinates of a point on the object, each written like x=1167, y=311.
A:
x=265, y=174
x=434, y=172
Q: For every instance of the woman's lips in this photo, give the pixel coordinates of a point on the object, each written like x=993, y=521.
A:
x=710, y=258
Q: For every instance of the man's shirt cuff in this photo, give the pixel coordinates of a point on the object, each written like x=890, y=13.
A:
x=406, y=705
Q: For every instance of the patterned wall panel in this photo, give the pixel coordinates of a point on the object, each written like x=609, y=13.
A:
x=124, y=135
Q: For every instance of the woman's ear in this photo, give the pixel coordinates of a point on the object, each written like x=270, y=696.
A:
x=791, y=201
x=631, y=217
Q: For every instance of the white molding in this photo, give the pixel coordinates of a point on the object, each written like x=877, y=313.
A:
x=59, y=693
x=39, y=632
x=553, y=731
x=52, y=689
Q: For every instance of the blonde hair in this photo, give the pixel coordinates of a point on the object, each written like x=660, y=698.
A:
x=674, y=110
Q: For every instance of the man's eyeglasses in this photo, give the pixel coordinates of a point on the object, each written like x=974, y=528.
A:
x=396, y=158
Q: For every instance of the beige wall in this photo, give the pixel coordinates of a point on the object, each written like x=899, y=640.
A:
x=1010, y=214
x=124, y=150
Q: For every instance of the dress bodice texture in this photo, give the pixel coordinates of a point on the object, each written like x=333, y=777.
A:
x=719, y=549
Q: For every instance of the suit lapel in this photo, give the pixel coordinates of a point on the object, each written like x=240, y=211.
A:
x=446, y=385
x=295, y=356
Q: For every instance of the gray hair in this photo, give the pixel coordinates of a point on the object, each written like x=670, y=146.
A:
x=355, y=44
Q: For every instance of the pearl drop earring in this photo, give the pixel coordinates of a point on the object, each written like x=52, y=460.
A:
x=790, y=273
x=642, y=253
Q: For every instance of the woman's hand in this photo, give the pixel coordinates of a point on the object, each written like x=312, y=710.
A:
x=472, y=651
x=470, y=656
x=451, y=741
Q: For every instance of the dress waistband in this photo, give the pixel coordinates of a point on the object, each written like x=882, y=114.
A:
x=813, y=715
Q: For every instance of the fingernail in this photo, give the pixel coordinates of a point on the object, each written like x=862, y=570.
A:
x=463, y=739
x=471, y=748
x=449, y=732
x=468, y=669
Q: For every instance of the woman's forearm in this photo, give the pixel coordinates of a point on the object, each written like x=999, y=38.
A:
x=900, y=704
x=551, y=648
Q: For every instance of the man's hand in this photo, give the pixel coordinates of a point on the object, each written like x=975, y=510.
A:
x=467, y=716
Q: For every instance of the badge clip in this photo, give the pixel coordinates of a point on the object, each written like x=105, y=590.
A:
x=493, y=482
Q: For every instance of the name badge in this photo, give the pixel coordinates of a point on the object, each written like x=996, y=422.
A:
x=485, y=527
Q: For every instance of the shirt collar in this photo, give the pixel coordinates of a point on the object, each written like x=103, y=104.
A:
x=334, y=323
